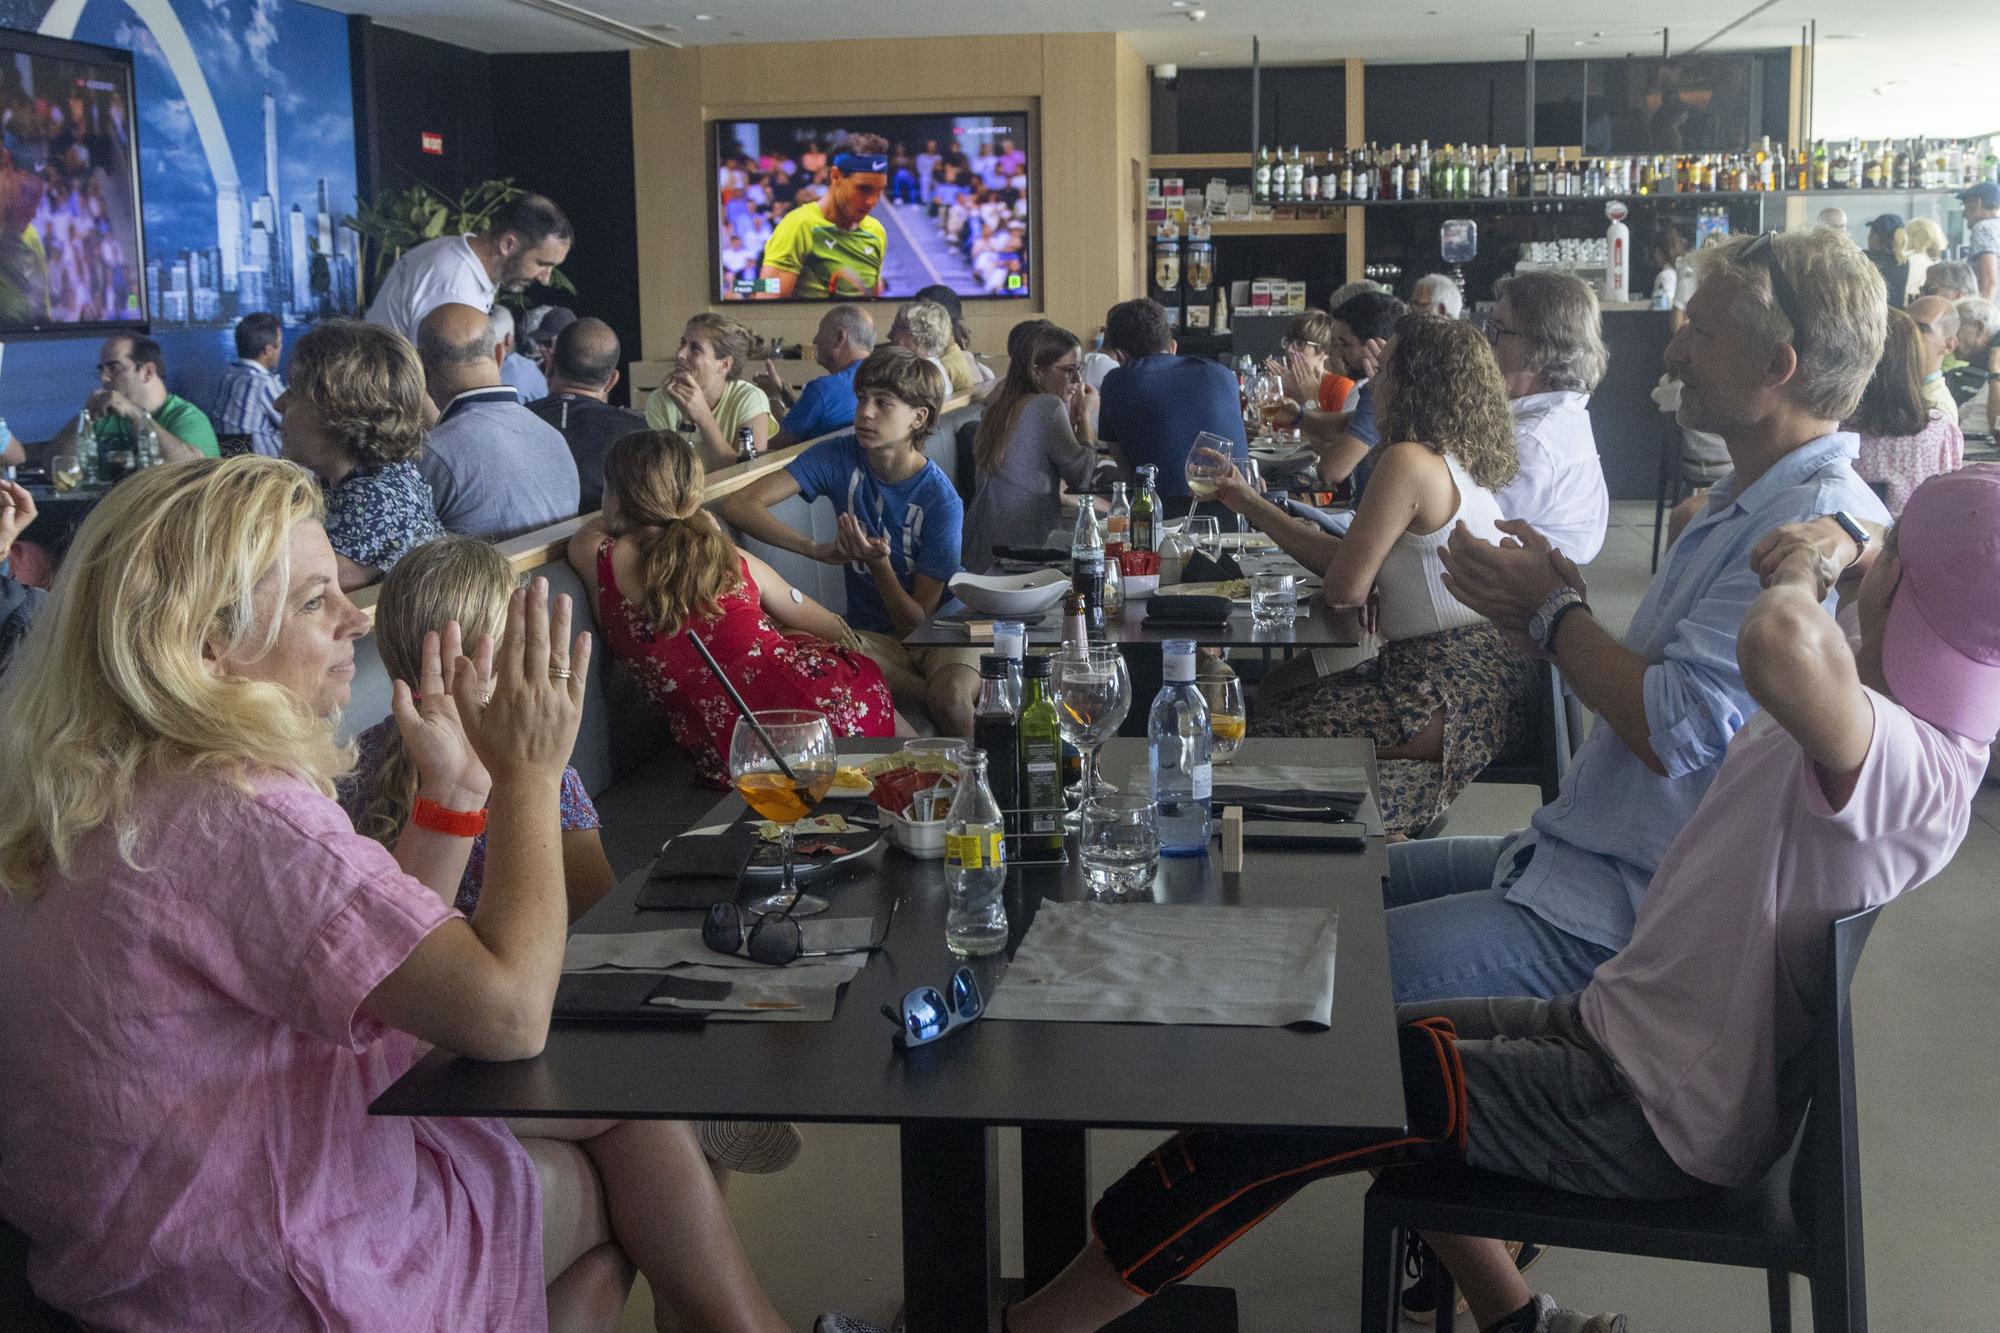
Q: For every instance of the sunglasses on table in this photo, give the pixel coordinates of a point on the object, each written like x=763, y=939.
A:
x=774, y=938
x=928, y=1014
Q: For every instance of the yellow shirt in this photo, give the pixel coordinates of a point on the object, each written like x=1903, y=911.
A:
x=742, y=403
x=832, y=262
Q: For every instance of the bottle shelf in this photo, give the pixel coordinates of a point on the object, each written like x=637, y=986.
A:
x=1199, y=162
x=1329, y=225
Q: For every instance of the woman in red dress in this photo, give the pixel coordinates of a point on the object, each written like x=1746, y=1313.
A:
x=659, y=566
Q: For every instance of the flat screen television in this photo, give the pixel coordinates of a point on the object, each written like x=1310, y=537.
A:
x=863, y=206
x=72, y=235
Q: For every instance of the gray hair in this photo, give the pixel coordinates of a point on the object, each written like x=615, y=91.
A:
x=1976, y=312
x=1343, y=295
x=501, y=320
x=1840, y=300
x=1557, y=317
x=930, y=327
x=1953, y=273
x=854, y=324
x=1442, y=288
x=1832, y=217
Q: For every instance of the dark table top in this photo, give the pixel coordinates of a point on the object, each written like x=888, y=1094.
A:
x=1000, y=1073
x=1324, y=627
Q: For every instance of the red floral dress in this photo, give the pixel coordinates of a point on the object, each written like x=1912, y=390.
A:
x=772, y=669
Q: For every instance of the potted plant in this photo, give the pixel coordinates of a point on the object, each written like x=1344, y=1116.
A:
x=391, y=223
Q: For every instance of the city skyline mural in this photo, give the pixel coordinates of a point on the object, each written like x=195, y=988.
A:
x=247, y=167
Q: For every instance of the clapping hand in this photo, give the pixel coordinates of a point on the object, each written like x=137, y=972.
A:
x=17, y=511
x=1505, y=583
x=427, y=717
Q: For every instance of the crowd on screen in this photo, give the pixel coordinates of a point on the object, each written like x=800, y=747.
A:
x=1642, y=957
x=64, y=174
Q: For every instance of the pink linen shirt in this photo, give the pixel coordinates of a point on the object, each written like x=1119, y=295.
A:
x=1708, y=1010
x=1901, y=463
x=184, y=1122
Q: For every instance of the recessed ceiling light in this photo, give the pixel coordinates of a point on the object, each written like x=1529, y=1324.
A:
x=1845, y=36
x=704, y=18
x=1204, y=53
x=1178, y=4
x=1580, y=42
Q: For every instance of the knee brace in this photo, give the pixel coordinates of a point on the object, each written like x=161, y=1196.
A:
x=1186, y=1201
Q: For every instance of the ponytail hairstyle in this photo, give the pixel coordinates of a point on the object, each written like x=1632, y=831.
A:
x=687, y=564
x=453, y=578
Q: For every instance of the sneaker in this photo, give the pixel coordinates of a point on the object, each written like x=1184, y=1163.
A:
x=1552, y=1318
x=1420, y=1266
x=835, y=1322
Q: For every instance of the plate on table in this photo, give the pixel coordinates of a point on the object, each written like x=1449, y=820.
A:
x=1010, y=594
x=1236, y=590
x=1281, y=451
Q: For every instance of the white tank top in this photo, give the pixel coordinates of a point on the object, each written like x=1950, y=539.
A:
x=1414, y=599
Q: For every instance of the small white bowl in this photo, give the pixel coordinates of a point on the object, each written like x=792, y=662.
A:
x=923, y=840
x=1010, y=594
x=1138, y=587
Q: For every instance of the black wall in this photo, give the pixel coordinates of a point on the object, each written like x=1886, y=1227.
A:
x=1208, y=110
x=558, y=124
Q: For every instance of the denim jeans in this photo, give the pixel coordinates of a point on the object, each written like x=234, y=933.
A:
x=1453, y=934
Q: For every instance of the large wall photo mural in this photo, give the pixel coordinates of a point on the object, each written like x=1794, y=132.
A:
x=247, y=168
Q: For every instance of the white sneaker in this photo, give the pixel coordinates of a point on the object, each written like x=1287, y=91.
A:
x=1552, y=1318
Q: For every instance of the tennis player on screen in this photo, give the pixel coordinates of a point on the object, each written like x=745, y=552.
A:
x=832, y=249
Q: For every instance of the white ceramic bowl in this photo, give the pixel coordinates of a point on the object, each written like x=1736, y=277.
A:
x=1138, y=587
x=1011, y=594
x=925, y=840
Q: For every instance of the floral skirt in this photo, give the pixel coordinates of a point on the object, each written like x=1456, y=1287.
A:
x=1481, y=685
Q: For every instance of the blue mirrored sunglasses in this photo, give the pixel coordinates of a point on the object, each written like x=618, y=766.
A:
x=927, y=1014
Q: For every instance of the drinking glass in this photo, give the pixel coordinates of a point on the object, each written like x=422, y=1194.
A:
x=1119, y=845
x=1267, y=395
x=1274, y=600
x=1228, y=719
x=1093, y=692
x=805, y=742
x=1208, y=462
x=1204, y=533
x=65, y=472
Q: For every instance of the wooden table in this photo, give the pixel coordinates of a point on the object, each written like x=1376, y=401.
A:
x=1055, y=1080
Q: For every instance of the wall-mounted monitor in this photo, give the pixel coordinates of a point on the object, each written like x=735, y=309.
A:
x=855, y=207
x=72, y=236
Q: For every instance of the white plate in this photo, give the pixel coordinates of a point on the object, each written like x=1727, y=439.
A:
x=1011, y=594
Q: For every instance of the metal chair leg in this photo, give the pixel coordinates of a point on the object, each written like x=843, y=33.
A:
x=1381, y=1244
x=1444, y=1298
x=1780, y=1283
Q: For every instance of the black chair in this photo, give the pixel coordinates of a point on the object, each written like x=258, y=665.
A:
x=1803, y=1217
x=1543, y=755
x=21, y=1311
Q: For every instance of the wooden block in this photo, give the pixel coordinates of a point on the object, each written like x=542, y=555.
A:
x=1232, y=839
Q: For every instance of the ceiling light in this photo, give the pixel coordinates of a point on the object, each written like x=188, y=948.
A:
x=604, y=23
x=1845, y=36
x=704, y=18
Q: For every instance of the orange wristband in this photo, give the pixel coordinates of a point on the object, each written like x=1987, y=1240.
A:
x=428, y=814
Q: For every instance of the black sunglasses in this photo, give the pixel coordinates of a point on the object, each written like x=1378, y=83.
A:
x=928, y=1015
x=1782, y=291
x=776, y=938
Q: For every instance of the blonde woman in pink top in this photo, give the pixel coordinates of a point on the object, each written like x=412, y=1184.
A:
x=1904, y=440
x=208, y=975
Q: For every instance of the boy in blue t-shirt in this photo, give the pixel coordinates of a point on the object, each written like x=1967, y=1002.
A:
x=898, y=536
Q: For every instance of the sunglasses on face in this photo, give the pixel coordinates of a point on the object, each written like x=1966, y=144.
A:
x=928, y=1014
x=774, y=938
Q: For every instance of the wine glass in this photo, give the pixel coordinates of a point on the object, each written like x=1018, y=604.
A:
x=65, y=472
x=1208, y=462
x=804, y=741
x=1228, y=719
x=1093, y=692
x=1204, y=533
x=1267, y=395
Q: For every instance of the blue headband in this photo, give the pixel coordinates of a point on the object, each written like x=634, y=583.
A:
x=849, y=163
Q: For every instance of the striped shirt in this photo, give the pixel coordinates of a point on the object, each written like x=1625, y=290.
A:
x=246, y=403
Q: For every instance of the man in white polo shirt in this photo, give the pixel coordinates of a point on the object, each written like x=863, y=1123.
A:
x=522, y=244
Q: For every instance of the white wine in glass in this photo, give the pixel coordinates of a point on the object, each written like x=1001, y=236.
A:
x=1208, y=462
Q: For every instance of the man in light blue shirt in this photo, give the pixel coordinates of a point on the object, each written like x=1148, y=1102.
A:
x=1781, y=337
x=246, y=401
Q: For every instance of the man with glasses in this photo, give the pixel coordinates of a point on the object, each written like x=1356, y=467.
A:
x=132, y=386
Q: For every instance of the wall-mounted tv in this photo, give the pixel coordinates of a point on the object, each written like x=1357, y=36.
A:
x=853, y=207
x=72, y=237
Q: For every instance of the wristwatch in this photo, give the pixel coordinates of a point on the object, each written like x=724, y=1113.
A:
x=1852, y=528
x=1548, y=617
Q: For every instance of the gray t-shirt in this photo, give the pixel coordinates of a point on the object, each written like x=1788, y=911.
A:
x=496, y=469
x=1020, y=502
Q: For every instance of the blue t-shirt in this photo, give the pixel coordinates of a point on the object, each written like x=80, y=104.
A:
x=1361, y=424
x=825, y=404
x=1153, y=408
x=921, y=518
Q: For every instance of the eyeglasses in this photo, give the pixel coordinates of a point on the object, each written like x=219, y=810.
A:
x=1495, y=331
x=927, y=1015
x=1787, y=296
x=1303, y=345
x=775, y=939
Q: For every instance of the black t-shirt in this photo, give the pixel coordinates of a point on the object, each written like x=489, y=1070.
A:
x=591, y=428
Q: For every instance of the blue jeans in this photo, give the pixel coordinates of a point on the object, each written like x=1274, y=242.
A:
x=1452, y=934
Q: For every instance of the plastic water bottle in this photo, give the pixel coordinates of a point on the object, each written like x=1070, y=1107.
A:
x=1179, y=745
x=975, y=863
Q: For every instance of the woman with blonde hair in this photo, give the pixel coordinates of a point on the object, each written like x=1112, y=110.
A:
x=208, y=975
x=1035, y=437
x=707, y=397
x=1445, y=693
x=462, y=581
x=660, y=568
x=1927, y=246
x=924, y=327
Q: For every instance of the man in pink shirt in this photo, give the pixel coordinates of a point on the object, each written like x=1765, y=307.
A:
x=1663, y=1077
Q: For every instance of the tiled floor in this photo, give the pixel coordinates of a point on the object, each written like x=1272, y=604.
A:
x=825, y=1234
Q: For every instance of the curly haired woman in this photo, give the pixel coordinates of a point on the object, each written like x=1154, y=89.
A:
x=1446, y=693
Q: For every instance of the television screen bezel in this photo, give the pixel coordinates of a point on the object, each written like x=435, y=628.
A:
x=1029, y=298
x=62, y=48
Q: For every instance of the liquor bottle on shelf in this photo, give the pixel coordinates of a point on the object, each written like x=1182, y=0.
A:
x=1461, y=172
x=1899, y=169
x=1389, y=176
x=1363, y=186
x=1295, y=177
x=1415, y=174
x=1822, y=166
x=1347, y=175
x=1840, y=175
x=1503, y=175
x=1871, y=169
x=1310, y=192
x=1329, y=184
x=1541, y=185
x=1260, y=177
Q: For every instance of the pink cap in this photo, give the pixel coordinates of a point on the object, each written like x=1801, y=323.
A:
x=1941, y=646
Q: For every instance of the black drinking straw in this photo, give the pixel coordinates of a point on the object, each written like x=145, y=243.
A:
x=744, y=708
